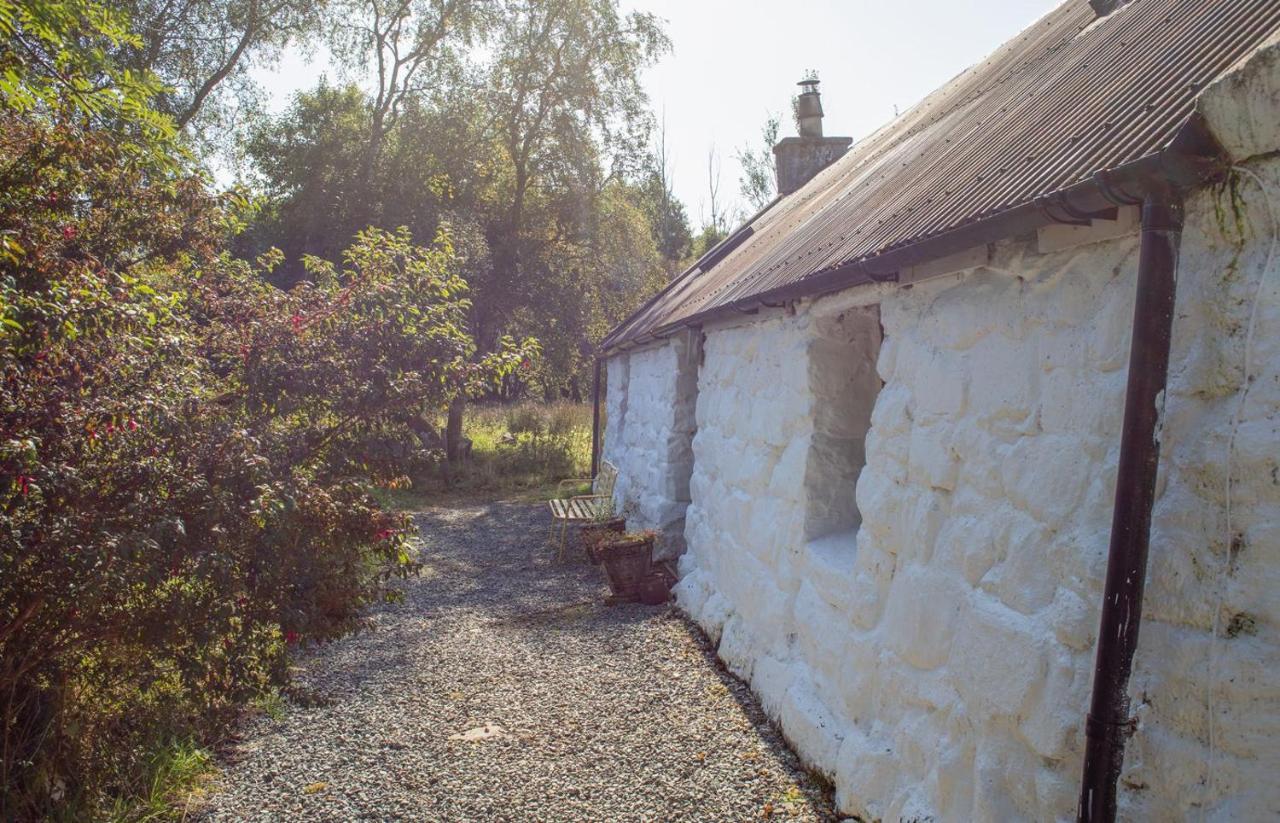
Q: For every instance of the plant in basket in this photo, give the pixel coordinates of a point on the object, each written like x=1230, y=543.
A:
x=605, y=526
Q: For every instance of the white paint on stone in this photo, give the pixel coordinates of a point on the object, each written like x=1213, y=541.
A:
x=937, y=661
x=649, y=435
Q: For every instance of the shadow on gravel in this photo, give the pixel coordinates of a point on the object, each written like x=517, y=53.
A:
x=520, y=570
x=620, y=713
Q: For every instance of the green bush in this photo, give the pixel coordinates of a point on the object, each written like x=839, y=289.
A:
x=185, y=490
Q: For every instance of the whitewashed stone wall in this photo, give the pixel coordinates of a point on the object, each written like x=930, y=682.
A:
x=935, y=656
x=939, y=664
x=650, y=423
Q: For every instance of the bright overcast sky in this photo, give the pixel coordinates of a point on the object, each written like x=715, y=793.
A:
x=735, y=62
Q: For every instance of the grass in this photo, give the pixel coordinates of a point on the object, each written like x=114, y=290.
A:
x=518, y=451
x=175, y=780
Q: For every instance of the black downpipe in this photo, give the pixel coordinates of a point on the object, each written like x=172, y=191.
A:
x=595, y=420
x=1108, y=725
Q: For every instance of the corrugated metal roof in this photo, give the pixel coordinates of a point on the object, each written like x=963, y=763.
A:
x=1071, y=96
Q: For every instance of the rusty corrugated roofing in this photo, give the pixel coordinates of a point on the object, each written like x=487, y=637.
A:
x=1071, y=96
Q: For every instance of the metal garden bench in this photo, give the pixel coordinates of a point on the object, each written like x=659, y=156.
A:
x=583, y=508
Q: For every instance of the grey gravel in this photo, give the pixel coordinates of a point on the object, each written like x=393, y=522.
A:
x=594, y=712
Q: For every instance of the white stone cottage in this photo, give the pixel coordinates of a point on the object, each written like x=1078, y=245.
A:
x=882, y=424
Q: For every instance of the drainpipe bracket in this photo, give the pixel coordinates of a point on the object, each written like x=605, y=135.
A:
x=1099, y=729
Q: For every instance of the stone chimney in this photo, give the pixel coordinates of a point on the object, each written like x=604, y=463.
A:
x=798, y=159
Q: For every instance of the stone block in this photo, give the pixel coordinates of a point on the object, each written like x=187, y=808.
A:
x=979, y=454
x=873, y=570
x=938, y=385
x=998, y=659
x=892, y=412
x=954, y=778
x=821, y=631
x=866, y=776
x=1051, y=727
x=919, y=519
x=715, y=613
x=967, y=546
x=888, y=455
x=1107, y=341
x=886, y=362
x=1023, y=581
x=920, y=616
x=828, y=565
x=932, y=462
x=859, y=678
x=1057, y=792
x=788, y=476
x=692, y=590
x=811, y=727
x=737, y=646
x=1064, y=351
x=1004, y=386
x=1242, y=107
x=1074, y=620
x=1082, y=402
x=1004, y=786
x=960, y=316
x=1046, y=476
x=908, y=687
x=771, y=678
x=878, y=498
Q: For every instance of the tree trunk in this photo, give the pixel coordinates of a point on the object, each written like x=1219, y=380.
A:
x=453, y=431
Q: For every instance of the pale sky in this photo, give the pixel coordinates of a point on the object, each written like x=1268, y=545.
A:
x=735, y=62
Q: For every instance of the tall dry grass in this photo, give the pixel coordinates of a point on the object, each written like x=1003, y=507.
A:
x=521, y=450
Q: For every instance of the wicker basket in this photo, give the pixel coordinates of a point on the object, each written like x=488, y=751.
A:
x=655, y=589
x=627, y=562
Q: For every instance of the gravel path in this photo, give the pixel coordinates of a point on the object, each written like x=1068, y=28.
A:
x=592, y=713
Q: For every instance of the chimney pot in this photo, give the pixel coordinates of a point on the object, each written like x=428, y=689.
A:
x=809, y=108
x=798, y=159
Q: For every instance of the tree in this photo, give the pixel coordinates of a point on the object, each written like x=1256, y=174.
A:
x=203, y=49
x=187, y=452
x=310, y=160
x=529, y=150
x=411, y=45
x=759, y=181
x=718, y=218
x=667, y=218
x=57, y=59
x=567, y=107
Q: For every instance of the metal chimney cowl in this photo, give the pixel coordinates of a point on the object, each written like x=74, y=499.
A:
x=798, y=159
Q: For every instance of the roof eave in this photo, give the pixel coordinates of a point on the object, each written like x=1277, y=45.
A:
x=1192, y=159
